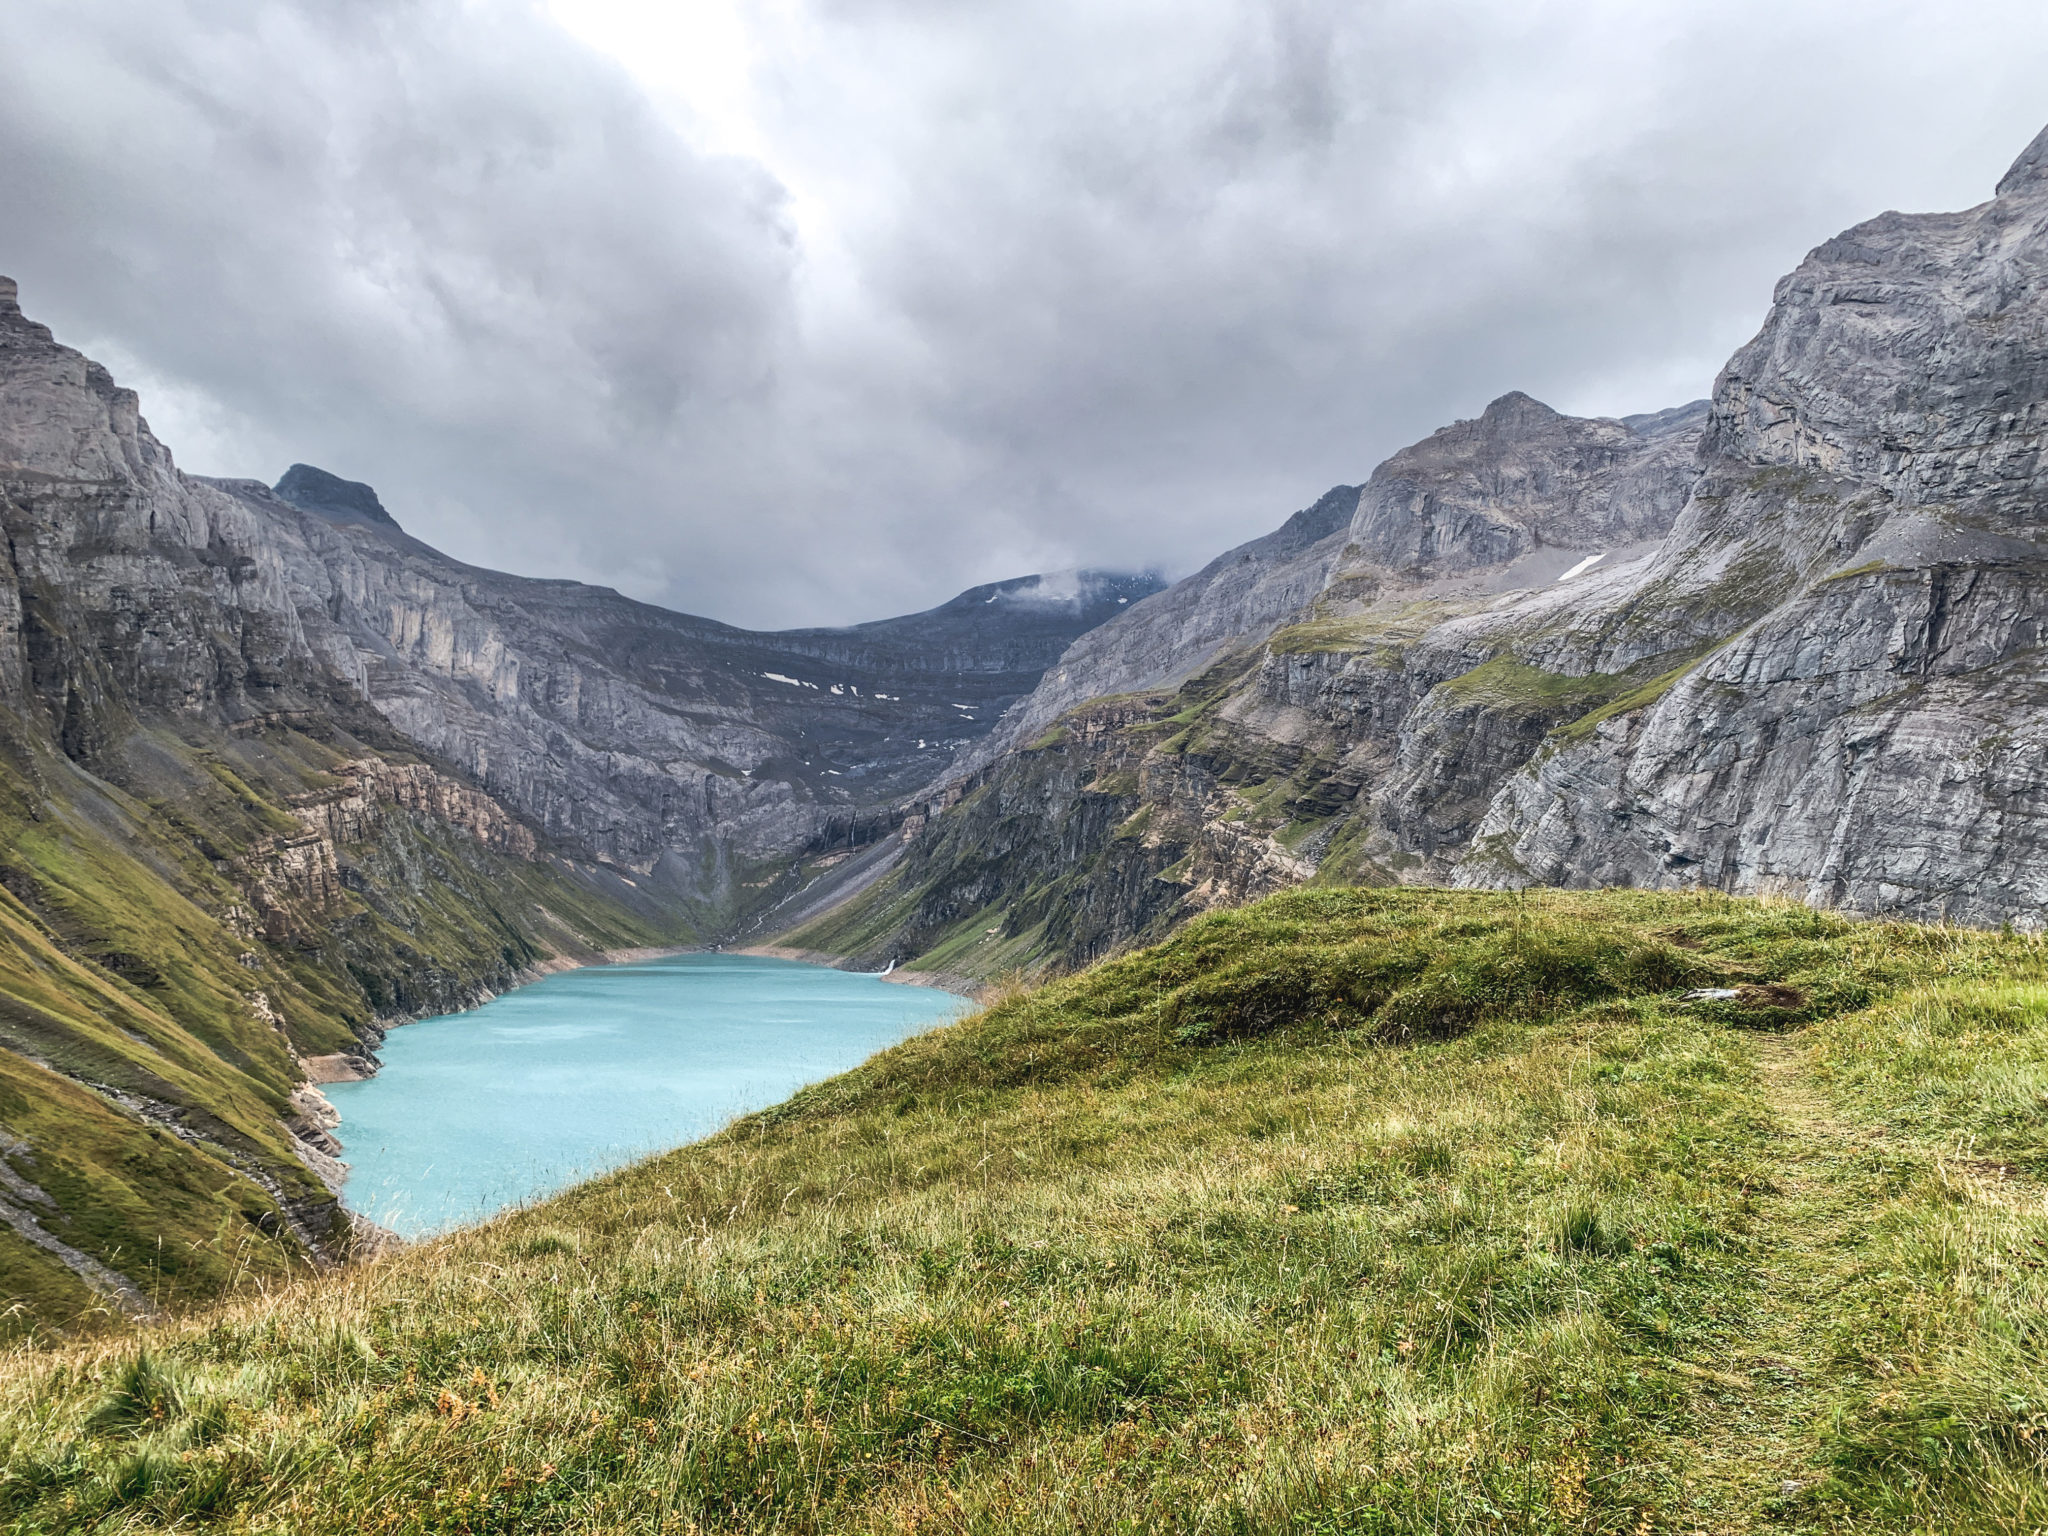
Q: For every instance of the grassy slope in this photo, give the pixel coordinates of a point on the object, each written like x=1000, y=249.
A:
x=148, y=1041
x=1350, y=1211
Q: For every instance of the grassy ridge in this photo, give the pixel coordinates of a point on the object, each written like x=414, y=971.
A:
x=1349, y=1211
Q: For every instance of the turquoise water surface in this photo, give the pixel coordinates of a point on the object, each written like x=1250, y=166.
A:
x=589, y=1069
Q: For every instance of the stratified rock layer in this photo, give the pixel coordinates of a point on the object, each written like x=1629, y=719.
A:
x=1873, y=481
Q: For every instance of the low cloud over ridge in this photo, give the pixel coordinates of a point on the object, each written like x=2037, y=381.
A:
x=806, y=312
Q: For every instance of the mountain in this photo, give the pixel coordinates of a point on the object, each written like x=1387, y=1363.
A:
x=696, y=757
x=1783, y=642
x=274, y=774
x=1305, y=706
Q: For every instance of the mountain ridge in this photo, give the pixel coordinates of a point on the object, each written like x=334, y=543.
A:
x=1793, y=654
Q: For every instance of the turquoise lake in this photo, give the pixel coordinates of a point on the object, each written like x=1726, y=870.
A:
x=587, y=1070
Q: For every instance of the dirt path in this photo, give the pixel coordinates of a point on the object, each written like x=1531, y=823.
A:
x=1752, y=1447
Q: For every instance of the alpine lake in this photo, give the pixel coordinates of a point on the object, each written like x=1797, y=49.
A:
x=587, y=1070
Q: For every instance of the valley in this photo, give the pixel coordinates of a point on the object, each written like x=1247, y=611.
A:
x=1513, y=1001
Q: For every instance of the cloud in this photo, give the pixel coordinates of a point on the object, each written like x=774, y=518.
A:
x=812, y=310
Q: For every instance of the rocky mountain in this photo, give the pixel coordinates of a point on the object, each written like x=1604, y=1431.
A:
x=1785, y=641
x=274, y=773
x=1242, y=731
x=1863, y=551
x=697, y=757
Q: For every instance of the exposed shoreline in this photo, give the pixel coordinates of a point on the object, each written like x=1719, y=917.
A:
x=943, y=981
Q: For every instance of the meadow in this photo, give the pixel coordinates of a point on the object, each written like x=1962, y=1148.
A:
x=1350, y=1211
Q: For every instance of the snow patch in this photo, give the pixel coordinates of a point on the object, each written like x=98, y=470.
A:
x=1584, y=565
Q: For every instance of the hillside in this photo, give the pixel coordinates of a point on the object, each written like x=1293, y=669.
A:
x=1786, y=642
x=274, y=775
x=1399, y=1210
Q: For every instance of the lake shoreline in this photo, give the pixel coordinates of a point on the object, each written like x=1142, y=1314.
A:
x=590, y=1068
x=355, y=1066
x=943, y=981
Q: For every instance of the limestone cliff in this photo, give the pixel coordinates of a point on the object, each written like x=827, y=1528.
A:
x=1788, y=641
x=1290, y=711
x=696, y=757
x=1864, y=550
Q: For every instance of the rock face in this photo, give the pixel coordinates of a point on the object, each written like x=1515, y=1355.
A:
x=684, y=751
x=1315, y=703
x=1872, y=501
x=216, y=859
x=1807, y=660
x=1236, y=599
x=1510, y=500
x=1522, y=479
x=336, y=499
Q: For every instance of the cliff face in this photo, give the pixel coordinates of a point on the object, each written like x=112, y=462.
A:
x=1806, y=660
x=1521, y=479
x=1874, y=485
x=685, y=751
x=1324, y=702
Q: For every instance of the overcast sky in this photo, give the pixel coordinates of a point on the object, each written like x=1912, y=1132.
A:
x=809, y=311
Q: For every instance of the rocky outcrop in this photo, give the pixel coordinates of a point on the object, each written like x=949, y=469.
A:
x=1872, y=736
x=351, y=812
x=1522, y=479
x=1786, y=641
x=1511, y=500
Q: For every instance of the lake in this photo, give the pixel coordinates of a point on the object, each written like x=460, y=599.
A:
x=590, y=1069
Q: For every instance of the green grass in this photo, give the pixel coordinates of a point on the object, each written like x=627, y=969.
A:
x=1382, y=626
x=1346, y=1212
x=1642, y=696
x=1508, y=684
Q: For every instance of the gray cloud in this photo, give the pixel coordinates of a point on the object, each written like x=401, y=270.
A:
x=970, y=290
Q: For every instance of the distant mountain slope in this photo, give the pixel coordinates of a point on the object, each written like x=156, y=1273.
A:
x=1513, y=498
x=684, y=750
x=1211, y=744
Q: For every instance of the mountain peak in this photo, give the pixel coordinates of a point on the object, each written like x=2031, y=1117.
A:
x=10, y=296
x=2030, y=171
x=330, y=496
x=1515, y=408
